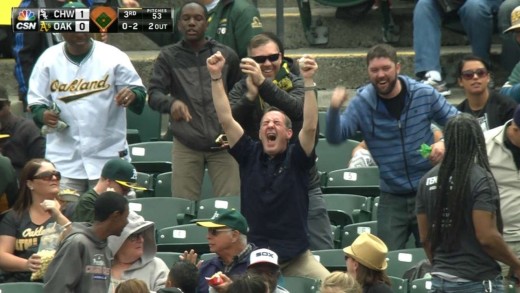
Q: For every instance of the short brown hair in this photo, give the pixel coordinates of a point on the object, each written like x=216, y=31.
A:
x=382, y=51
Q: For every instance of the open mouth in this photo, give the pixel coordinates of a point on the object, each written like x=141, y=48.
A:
x=271, y=136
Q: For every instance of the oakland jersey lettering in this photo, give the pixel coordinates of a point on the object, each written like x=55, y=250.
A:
x=87, y=88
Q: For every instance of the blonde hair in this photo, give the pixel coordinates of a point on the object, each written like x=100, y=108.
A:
x=340, y=282
x=132, y=286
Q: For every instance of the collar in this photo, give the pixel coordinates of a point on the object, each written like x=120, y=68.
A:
x=243, y=255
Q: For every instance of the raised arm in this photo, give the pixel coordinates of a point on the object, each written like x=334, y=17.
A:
x=231, y=127
x=308, y=68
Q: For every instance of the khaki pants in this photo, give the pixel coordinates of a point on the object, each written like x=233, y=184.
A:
x=188, y=172
x=515, y=247
x=304, y=265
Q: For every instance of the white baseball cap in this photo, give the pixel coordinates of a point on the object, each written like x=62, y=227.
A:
x=263, y=255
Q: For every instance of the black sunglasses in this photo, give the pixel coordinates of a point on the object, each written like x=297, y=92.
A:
x=261, y=59
x=469, y=74
x=48, y=175
x=215, y=232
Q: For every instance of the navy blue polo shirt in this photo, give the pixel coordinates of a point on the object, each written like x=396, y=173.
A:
x=274, y=196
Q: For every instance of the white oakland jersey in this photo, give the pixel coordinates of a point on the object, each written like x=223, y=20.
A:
x=85, y=95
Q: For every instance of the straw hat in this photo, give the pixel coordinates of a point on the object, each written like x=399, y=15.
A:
x=515, y=20
x=368, y=250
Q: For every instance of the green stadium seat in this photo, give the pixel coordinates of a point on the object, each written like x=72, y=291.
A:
x=375, y=207
x=207, y=207
x=343, y=208
x=164, y=211
x=163, y=185
x=147, y=181
x=152, y=157
x=399, y=285
x=322, y=123
x=333, y=157
x=21, y=287
x=362, y=181
x=132, y=136
x=351, y=232
x=148, y=123
x=301, y=284
x=169, y=258
x=399, y=261
x=331, y=259
x=420, y=285
x=183, y=238
x=336, y=235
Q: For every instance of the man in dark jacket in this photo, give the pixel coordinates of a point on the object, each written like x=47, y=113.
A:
x=227, y=231
x=270, y=83
x=24, y=141
x=181, y=86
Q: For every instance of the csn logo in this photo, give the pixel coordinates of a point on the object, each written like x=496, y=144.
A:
x=26, y=20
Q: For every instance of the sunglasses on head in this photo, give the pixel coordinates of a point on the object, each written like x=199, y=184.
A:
x=261, y=59
x=469, y=74
x=215, y=232
x=48, y=175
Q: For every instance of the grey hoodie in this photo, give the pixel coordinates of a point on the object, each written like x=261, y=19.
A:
x=152, y=270
x=81, y=264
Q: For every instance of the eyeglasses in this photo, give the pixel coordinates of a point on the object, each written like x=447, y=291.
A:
x=261, y=59
x=136, y=236
x=48, y=175
x=469, y=74
x=215, y=232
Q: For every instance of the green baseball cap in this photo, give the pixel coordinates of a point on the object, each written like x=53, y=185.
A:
x=226, y=218
x=122, y=172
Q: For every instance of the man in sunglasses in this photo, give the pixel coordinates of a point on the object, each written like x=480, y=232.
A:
x=227, y=231
x=489, y=107
x=117, y=175
x=269, y=82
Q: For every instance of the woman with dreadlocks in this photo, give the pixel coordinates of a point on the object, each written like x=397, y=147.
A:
x=458, y=213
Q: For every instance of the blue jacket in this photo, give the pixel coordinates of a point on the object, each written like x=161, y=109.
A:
x=393, y=143
x=214, y=265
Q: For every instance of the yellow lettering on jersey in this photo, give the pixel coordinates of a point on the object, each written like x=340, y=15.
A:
x=30, y=233
x=25, y=244
x=80, y=85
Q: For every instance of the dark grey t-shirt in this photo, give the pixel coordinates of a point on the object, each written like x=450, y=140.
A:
x=469, y=262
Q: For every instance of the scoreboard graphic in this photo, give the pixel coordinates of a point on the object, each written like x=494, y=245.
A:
x=100, y=19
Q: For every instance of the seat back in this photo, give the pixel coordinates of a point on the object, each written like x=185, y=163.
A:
x=420, y=285
x=183, y=237
x=207, y=207
x=147, y=181
x=399, y=285
x=301, y=284
x=375, y=207
x=351, y=232
x=362, y=181
x=148, y=123
x=152, y=157
x=331, y=259
x=341, y=207
x=207, y=256
x=399, y=261
x=21, y=287
x=163, y=185
x=333, y=157
x=169, y=258
x=164, y=211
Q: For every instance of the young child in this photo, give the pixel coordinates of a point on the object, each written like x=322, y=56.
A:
x=183, y=278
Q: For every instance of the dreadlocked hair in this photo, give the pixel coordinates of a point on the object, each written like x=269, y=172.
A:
x=465, y=148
